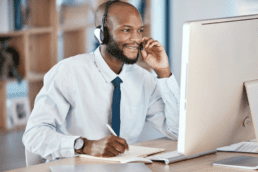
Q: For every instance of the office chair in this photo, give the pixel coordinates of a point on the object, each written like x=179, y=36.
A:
x=32, y=159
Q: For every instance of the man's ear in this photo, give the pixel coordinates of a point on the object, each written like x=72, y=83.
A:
x=97, y=34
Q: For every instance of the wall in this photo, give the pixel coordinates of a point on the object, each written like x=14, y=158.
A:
x=186, y=10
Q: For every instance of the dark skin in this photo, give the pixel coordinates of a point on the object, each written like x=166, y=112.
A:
x=125, y=26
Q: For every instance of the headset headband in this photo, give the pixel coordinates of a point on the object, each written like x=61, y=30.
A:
x=105, y=14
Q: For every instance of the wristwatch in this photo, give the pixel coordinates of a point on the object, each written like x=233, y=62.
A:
x=78, y=145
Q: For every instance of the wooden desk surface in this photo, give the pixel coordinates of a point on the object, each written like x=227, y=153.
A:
x=201, y=164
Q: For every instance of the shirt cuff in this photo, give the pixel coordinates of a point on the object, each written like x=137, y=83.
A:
x=67, y=146
x=168, y=84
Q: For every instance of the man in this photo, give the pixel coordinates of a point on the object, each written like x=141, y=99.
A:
x=76, y=101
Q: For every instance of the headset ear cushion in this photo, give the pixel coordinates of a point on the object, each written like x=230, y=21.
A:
x=105, y=35
x=97, y=33
x=101, y=35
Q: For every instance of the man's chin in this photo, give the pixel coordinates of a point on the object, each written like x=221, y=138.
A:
x=130, y=60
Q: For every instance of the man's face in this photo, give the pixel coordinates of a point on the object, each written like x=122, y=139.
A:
x=125, y=33
x=114, y=50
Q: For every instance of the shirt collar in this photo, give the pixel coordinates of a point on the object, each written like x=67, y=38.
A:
x=105, y=70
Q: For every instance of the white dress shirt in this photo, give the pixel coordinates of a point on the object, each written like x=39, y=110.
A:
x=76, y=101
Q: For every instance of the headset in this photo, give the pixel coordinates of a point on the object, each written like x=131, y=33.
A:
x=102, y=33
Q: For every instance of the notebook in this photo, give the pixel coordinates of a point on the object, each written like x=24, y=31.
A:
x=135, y=167
x=134, y=151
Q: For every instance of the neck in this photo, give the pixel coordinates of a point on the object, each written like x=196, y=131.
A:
x=114, y=64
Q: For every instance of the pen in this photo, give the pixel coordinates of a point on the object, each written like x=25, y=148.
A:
x=111, y=130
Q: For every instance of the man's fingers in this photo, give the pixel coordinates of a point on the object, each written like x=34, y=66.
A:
x=148, y=42
x=154, y=43
x=145, y=39
x=110, y=149
x=113, y=150
x=119, y=147
x=122, y=142
x=108, y=154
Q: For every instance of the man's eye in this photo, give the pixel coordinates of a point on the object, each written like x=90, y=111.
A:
x=126, y=30
x=141, y=31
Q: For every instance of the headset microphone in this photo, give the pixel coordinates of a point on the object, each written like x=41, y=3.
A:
x=141, y=46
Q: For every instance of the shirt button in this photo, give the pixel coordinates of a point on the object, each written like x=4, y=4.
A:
x=68, y=153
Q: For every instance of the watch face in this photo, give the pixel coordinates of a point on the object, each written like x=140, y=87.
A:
x=78, y=144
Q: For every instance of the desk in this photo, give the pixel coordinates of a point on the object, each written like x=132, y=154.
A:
x=200, y=164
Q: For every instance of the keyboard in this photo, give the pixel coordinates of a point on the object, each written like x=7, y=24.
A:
x=248, y=147
x=174, y=156
x=245, y=147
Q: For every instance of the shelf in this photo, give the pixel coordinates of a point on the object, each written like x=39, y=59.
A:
x=33, y=76
x=40, y=59
x=31, y=31
x=40, y=30
x=74, y=43
x=34, y=88
x=16, y=128
x=3, y=111
x=74, y=28
x=12, y=33
x=18, y=43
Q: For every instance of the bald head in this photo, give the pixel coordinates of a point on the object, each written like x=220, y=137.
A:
x=117, y=12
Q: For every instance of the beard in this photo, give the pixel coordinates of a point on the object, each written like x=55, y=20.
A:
x=114, y=50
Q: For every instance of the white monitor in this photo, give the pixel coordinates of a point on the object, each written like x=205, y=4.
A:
x=218, y=56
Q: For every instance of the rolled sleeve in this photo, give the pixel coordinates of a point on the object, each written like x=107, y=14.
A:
x=169, y=84
x=66, y=148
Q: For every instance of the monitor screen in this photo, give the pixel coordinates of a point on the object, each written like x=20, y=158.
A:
x=218, y=56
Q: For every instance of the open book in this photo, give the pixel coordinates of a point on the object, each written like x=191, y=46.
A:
x=135, y=154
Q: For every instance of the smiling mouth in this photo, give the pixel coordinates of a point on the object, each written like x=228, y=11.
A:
x=133, y=48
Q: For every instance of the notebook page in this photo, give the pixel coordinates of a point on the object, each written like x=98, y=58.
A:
x=134, y=151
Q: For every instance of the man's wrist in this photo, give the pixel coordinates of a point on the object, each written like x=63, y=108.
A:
x=87, y=146
x=164, y=73
x=80, y=150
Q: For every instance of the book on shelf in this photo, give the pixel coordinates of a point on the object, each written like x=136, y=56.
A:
x=4, y=24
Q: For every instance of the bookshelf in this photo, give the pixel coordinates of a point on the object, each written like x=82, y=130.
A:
x=38, y=45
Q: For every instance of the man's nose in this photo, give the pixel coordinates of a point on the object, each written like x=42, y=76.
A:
x=136, y=37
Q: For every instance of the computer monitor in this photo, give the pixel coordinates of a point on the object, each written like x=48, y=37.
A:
x=218, y=56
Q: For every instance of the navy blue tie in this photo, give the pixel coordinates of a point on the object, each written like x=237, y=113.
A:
x=116, y=105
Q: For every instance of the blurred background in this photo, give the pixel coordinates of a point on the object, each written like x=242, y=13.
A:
x=35, y=35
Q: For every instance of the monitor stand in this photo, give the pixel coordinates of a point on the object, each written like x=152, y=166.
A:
x=252, y=96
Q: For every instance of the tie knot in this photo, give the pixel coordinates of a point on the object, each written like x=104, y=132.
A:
x=117, y=81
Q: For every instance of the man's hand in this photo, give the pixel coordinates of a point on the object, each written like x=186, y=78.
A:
x=155, y=56
x=109, y=146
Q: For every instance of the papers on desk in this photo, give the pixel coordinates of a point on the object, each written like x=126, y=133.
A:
x=131, y=155
x=135, y=167
x=242, y=161
x=243, y=147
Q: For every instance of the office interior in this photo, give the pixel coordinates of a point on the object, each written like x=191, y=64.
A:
x=48, y=31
